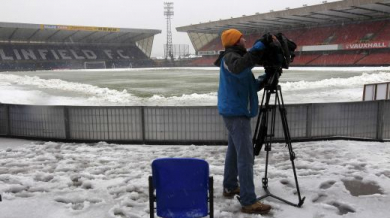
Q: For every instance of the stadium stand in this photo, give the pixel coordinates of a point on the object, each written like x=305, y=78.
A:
x=214, y=45
x=294, y=34
x=39, y=57
x=384, y=33
x=336, y=60
x=353, y=33
x=315, y=36
x=345, y=33
x=303, y=59
x=375, y=58
x=48, y=47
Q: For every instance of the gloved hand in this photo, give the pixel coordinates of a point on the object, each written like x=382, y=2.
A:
x=258, y=46
x=262, y=81
x=266, y=39
x=263, y=78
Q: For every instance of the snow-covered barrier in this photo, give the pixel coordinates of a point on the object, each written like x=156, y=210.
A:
x=188, y=125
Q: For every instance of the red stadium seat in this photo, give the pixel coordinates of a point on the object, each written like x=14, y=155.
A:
x=353, y=33
x=376, y=58
x=384, y=33
x=337, y=60
x=304, y=59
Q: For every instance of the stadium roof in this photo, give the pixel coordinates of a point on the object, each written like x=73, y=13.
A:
x=327, y=13
x=74, y=34
x=346, y=11
x=44, y=33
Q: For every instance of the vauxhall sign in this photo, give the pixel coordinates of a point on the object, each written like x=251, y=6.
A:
x=368, y=45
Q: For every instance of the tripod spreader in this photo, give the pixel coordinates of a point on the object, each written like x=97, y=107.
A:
x=265, y=133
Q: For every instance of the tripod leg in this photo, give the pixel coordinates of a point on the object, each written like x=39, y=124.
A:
x=261, y=130
x=269, y=137
x=259, y=117
x=283, y=116
x=261, y=135
x=265, y=178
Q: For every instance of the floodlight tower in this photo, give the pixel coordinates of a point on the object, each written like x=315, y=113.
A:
x=168, y=13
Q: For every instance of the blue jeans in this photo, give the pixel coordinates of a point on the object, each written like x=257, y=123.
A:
x=239, y=159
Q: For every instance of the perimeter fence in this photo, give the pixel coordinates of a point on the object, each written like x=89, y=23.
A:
x=188, y=125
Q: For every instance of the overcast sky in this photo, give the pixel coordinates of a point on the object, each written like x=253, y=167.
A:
x=143, y=14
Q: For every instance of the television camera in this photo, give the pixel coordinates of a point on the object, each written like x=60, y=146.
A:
x=279, y=53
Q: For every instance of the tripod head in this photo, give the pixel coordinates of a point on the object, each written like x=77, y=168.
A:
x=273, y=78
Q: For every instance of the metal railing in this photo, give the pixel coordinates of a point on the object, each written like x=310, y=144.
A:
x=187, y=125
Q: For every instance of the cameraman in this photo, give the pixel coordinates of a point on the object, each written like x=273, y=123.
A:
x=238, y=103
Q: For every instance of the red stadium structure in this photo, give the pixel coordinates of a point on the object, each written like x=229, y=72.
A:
x=343, y=33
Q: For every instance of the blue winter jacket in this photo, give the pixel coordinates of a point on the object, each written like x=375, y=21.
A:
x=237, y=93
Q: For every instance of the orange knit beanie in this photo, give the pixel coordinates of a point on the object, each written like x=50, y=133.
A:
x=230, y=37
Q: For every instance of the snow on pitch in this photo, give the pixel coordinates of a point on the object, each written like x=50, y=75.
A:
x=58, y=180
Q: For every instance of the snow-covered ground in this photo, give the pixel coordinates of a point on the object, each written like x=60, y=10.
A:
x=63, y=180
x=176, y=86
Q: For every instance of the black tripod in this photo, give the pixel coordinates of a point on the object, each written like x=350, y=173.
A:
x=263, y=136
